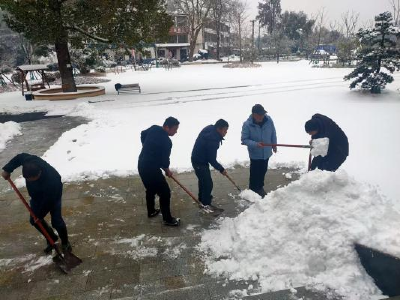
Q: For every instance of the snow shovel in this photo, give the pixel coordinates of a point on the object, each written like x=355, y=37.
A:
x=285, y=145
x=293, y=146
x=230, y=179
x=382, y=267
x=201, y=205
x=65, y=261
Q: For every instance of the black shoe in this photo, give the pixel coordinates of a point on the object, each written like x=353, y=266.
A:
x=66, y=248
x=215, y=208
x=260, y=192
x=154, y=213
x=49, y=247
x=173, y=222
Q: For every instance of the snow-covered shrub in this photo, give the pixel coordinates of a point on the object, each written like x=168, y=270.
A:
x=16, y=77
x=378, y=57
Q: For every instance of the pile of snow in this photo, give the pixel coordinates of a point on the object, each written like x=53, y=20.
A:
x=304, y=235
x=7, y=131
x=320, y=147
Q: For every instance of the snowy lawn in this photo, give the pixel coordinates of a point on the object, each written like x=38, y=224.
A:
x=198, y=95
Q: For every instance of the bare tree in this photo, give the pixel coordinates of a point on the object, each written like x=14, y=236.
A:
x=320, y=19
x=220, y=10
x=335, y=26
x=197, y=12
x=396, y=11
x=238, y=17
x=348, y=42
x=350, y=20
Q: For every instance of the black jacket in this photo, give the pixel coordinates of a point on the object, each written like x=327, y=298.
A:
x=156, y=148
x=338, y=143
x=206, y=146
x=48, y=187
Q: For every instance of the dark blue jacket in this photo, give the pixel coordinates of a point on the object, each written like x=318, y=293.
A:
x=338, y=143
x=206, y=146
x=156, y=148
x=48, y=188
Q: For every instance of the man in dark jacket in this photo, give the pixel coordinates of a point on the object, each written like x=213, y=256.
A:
x=321, y=126
x=45, y=189
x=155, y=156
x=204, y=154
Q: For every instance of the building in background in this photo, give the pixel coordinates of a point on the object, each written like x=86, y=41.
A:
x=178, y=45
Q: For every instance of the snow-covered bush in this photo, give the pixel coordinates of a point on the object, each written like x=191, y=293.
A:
x=378, y=57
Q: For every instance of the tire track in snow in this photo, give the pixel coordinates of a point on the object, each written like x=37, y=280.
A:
x=233, y=94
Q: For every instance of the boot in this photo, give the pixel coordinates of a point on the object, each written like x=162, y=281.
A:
x=154, y=213
x=49, y=247
x=62, y=232
x=173, y=222
x=48, y=229
x=66, y=247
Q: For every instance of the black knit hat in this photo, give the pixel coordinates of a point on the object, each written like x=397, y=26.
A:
x=311, y=125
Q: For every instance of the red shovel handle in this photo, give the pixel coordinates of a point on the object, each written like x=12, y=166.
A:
x=285, y=145
x=187, y=191
x=36, y=220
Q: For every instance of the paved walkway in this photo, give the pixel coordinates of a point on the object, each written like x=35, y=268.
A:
x=125, y=254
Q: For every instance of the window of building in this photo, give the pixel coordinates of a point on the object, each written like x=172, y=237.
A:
x=182, y=38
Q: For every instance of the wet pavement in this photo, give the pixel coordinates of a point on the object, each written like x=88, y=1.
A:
x=125, y=254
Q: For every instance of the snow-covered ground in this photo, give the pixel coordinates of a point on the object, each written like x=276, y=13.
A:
x=301, y=234
x=198, y=95
x=7, y=132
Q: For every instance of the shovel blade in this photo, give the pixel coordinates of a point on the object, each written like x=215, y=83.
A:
x=67, y=261
x=382, y=267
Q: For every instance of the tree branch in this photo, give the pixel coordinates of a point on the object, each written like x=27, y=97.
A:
x=85, y=33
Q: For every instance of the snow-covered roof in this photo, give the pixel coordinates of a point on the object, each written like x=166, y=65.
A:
x=173, y=45
x=32, y=67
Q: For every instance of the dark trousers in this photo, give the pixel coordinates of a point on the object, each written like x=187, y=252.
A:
x=258, y=169
x=327, y=163
x=205, y=183
x=41, y=209
x=155, y=184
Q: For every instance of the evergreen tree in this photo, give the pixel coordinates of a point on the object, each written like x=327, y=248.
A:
x=378, y=56
x=64, y=23
x=269, y=13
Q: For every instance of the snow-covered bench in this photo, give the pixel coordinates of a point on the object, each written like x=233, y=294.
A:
x=126, y=88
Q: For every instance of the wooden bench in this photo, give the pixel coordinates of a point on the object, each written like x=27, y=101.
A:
x=126, y=88
x=37, y=86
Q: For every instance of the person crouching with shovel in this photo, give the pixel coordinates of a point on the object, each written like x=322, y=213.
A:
x=44, y=186
x=320, y=126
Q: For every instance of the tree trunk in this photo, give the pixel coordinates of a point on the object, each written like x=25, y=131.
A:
x=65, y=67
x=240, y=40
x=218, y=37
x=193, y=40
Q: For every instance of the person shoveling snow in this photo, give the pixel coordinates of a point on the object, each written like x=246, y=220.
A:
x=321, y=126
x=304, y=235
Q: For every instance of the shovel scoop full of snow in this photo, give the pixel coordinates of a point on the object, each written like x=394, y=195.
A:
x=319, y=147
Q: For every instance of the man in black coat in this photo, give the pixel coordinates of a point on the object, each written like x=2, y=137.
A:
x=155, y=156
x=204, y=154
x=45, y=189
x=321, y=126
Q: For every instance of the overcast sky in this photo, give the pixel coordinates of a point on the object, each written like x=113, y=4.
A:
x=333, y=8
